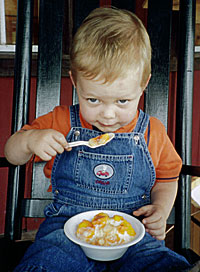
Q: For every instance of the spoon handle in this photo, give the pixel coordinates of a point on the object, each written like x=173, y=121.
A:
x=73, y=144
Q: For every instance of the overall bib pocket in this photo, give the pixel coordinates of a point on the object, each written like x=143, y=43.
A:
x=104, y=173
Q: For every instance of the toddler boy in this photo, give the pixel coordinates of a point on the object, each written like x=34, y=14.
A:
x=110, y=68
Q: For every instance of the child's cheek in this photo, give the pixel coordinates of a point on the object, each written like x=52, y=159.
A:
x=125, y=118
x=88, y=114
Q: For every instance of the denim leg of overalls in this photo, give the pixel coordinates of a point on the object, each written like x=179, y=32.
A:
x=118, y=176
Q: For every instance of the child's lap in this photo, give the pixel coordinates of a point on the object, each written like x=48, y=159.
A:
x=151, y=255
x=53, y=251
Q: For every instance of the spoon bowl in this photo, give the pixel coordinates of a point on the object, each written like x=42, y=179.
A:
x=94, y=142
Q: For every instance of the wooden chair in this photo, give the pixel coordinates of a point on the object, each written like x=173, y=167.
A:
x=49, y=77
x=157, y=97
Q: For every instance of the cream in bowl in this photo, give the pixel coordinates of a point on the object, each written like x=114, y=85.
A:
x=104, y=235
x=104, y=230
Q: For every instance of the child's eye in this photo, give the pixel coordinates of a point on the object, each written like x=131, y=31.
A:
x=122, y=101
x=93, y=100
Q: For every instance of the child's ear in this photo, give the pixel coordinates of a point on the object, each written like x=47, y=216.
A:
x=147, y=82
x=71, y=77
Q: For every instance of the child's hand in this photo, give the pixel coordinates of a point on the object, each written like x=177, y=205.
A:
x=154, y=221
x=46, y=143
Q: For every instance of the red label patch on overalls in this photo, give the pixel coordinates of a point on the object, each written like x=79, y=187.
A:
x=103, y=171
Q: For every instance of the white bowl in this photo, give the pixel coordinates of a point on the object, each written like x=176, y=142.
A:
x=103, y=253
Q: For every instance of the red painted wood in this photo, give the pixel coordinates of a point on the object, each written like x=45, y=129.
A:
x=196, y=120
x=104, y=3
x=66, y=92
x=6, y=97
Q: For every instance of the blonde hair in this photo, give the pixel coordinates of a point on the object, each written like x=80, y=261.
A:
x=108, y=43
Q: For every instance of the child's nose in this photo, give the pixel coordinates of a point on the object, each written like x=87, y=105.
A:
x=108, y=112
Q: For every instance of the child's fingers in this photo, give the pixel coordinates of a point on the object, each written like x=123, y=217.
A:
x=156, y=229
x=60, y=138
x=157, y=234
x=63, y=145
x=47, y=154
x=56, y=148
x=145, y=210
x=45, y=157
x=152, y=218
x=68, y=148
x=153, y=225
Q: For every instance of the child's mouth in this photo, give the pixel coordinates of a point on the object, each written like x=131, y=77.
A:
x=106, y=125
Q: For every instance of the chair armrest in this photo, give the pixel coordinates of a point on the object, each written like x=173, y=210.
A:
x=190, y=170
x=5, y=163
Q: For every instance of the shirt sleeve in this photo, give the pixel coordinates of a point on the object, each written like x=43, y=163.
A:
x=57, y=119
x=166, y=160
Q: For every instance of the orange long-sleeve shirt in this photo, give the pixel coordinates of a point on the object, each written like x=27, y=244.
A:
x=165, y=158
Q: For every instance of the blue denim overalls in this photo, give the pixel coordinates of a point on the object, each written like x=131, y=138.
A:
x=117, y=176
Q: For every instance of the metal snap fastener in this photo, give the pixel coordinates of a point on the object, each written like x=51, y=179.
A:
x=76, y=134
x=56, y=192
x=144, y=197
x=136, y=138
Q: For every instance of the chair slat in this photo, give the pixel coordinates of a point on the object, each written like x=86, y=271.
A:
x=34, y=207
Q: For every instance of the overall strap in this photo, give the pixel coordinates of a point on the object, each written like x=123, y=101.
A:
x=142, y=123
x=74, y=116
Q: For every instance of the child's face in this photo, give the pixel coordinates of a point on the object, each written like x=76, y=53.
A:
x=109, y=106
